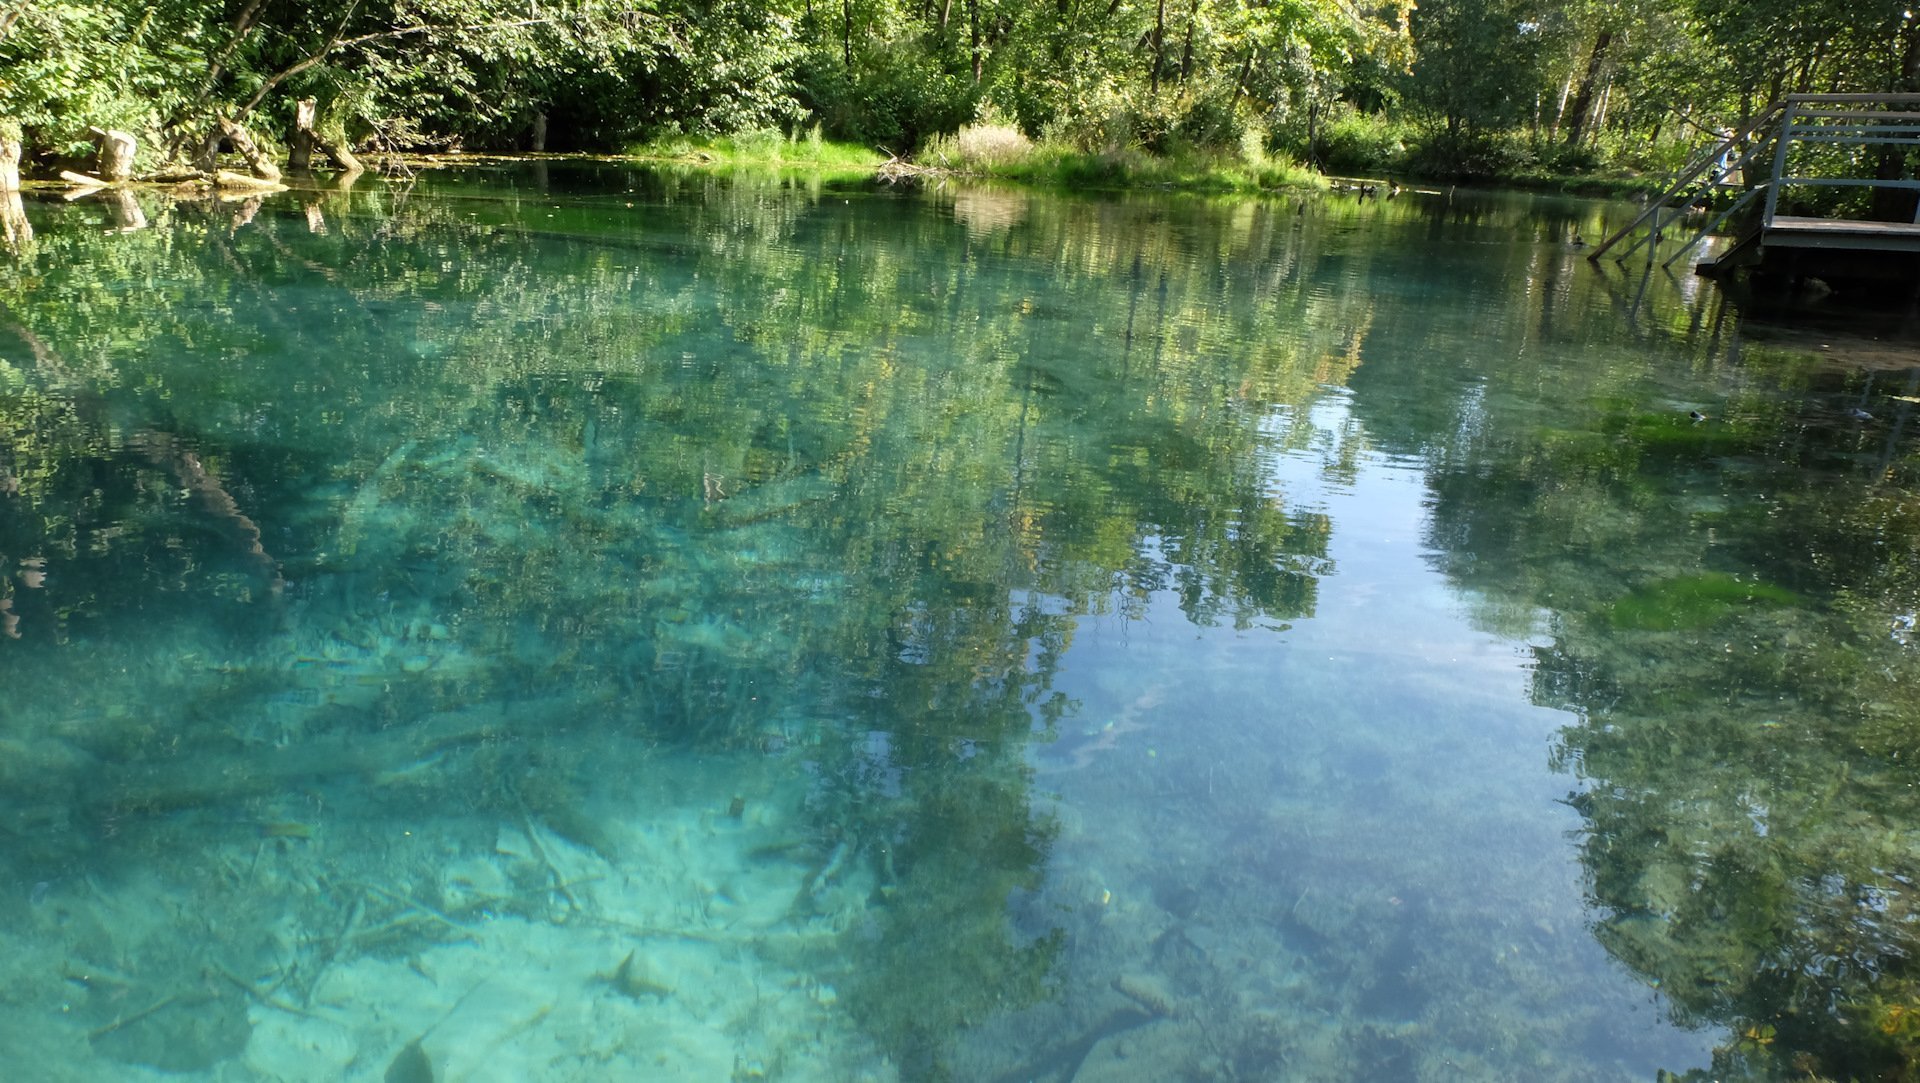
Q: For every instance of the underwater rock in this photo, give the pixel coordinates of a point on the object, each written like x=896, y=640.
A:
x=410, y=1065
x=630, y=980
x=1150, y=992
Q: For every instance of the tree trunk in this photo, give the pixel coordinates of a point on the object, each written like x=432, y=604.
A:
x=1159, y=44
x=262, y=167
x=1581, y=111
x=9, y=159
x=1186, y=50
x=973, y=36
x=1560, y=110
x=300, y=147
x=1897, y=204
x=537, y=140
x=342, y=157
x=116, y=155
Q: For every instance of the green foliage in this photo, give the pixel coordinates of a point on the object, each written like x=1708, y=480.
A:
x=66, y=66
x=1529, y=90
x=1353, y=143
x=1476, y=70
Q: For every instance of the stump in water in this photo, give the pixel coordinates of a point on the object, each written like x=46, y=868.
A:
x=261, y=165
x=9, y=156
x=115, y=164
x=300, y=147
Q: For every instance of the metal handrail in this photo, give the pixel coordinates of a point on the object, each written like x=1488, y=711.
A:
x=1745, y=198
x=1684, y=182
x=1806, y=123
x=1794, y=119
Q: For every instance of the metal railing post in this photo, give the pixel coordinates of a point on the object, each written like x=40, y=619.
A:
x=1779, y=162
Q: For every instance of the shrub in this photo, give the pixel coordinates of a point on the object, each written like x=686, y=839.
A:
x=1360, y=143
x=980, y=147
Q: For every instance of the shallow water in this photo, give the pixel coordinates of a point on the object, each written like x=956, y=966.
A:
x=571, y=622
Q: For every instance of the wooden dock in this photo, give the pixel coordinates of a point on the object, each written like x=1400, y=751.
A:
x=1800, y=151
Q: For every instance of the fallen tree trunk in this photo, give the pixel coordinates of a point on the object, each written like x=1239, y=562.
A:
x=115, y=163
x=341, y=156
x=83, y=180
x=227, y=178
x=261, y=165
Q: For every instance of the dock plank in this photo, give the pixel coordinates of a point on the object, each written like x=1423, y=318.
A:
x=1790, y=232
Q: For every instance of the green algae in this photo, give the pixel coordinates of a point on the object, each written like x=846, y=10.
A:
x=1688, y=602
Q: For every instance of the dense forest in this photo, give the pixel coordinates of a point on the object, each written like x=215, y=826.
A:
x=1447, y=87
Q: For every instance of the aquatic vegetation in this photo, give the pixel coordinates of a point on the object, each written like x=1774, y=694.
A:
x=1694, y=601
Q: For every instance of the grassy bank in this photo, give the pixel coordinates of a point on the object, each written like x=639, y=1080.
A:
x=996, y=152
x=764, y=148
x=1003, y=153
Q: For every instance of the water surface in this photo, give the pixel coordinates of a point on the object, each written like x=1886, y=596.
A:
x=571, y=622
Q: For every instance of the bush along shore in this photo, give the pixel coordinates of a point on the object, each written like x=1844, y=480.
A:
x=1202, y=95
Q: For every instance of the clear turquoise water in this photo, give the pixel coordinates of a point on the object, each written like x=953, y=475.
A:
x=570, y=622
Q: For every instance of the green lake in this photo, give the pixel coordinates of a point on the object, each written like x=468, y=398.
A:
x=571, y=622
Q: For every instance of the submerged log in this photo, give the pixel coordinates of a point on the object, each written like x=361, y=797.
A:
x=174, y=175
x=82, y=180
x=257, y=161
x=226, y=178
x=115, y=162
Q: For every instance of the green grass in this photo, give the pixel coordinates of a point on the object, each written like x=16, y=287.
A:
x=764, y=148
x=1046, y=165
x=997, y=153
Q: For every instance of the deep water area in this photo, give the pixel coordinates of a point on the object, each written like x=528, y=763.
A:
x=564, y=621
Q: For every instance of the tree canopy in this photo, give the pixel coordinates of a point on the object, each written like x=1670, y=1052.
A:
x=1318, y=78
